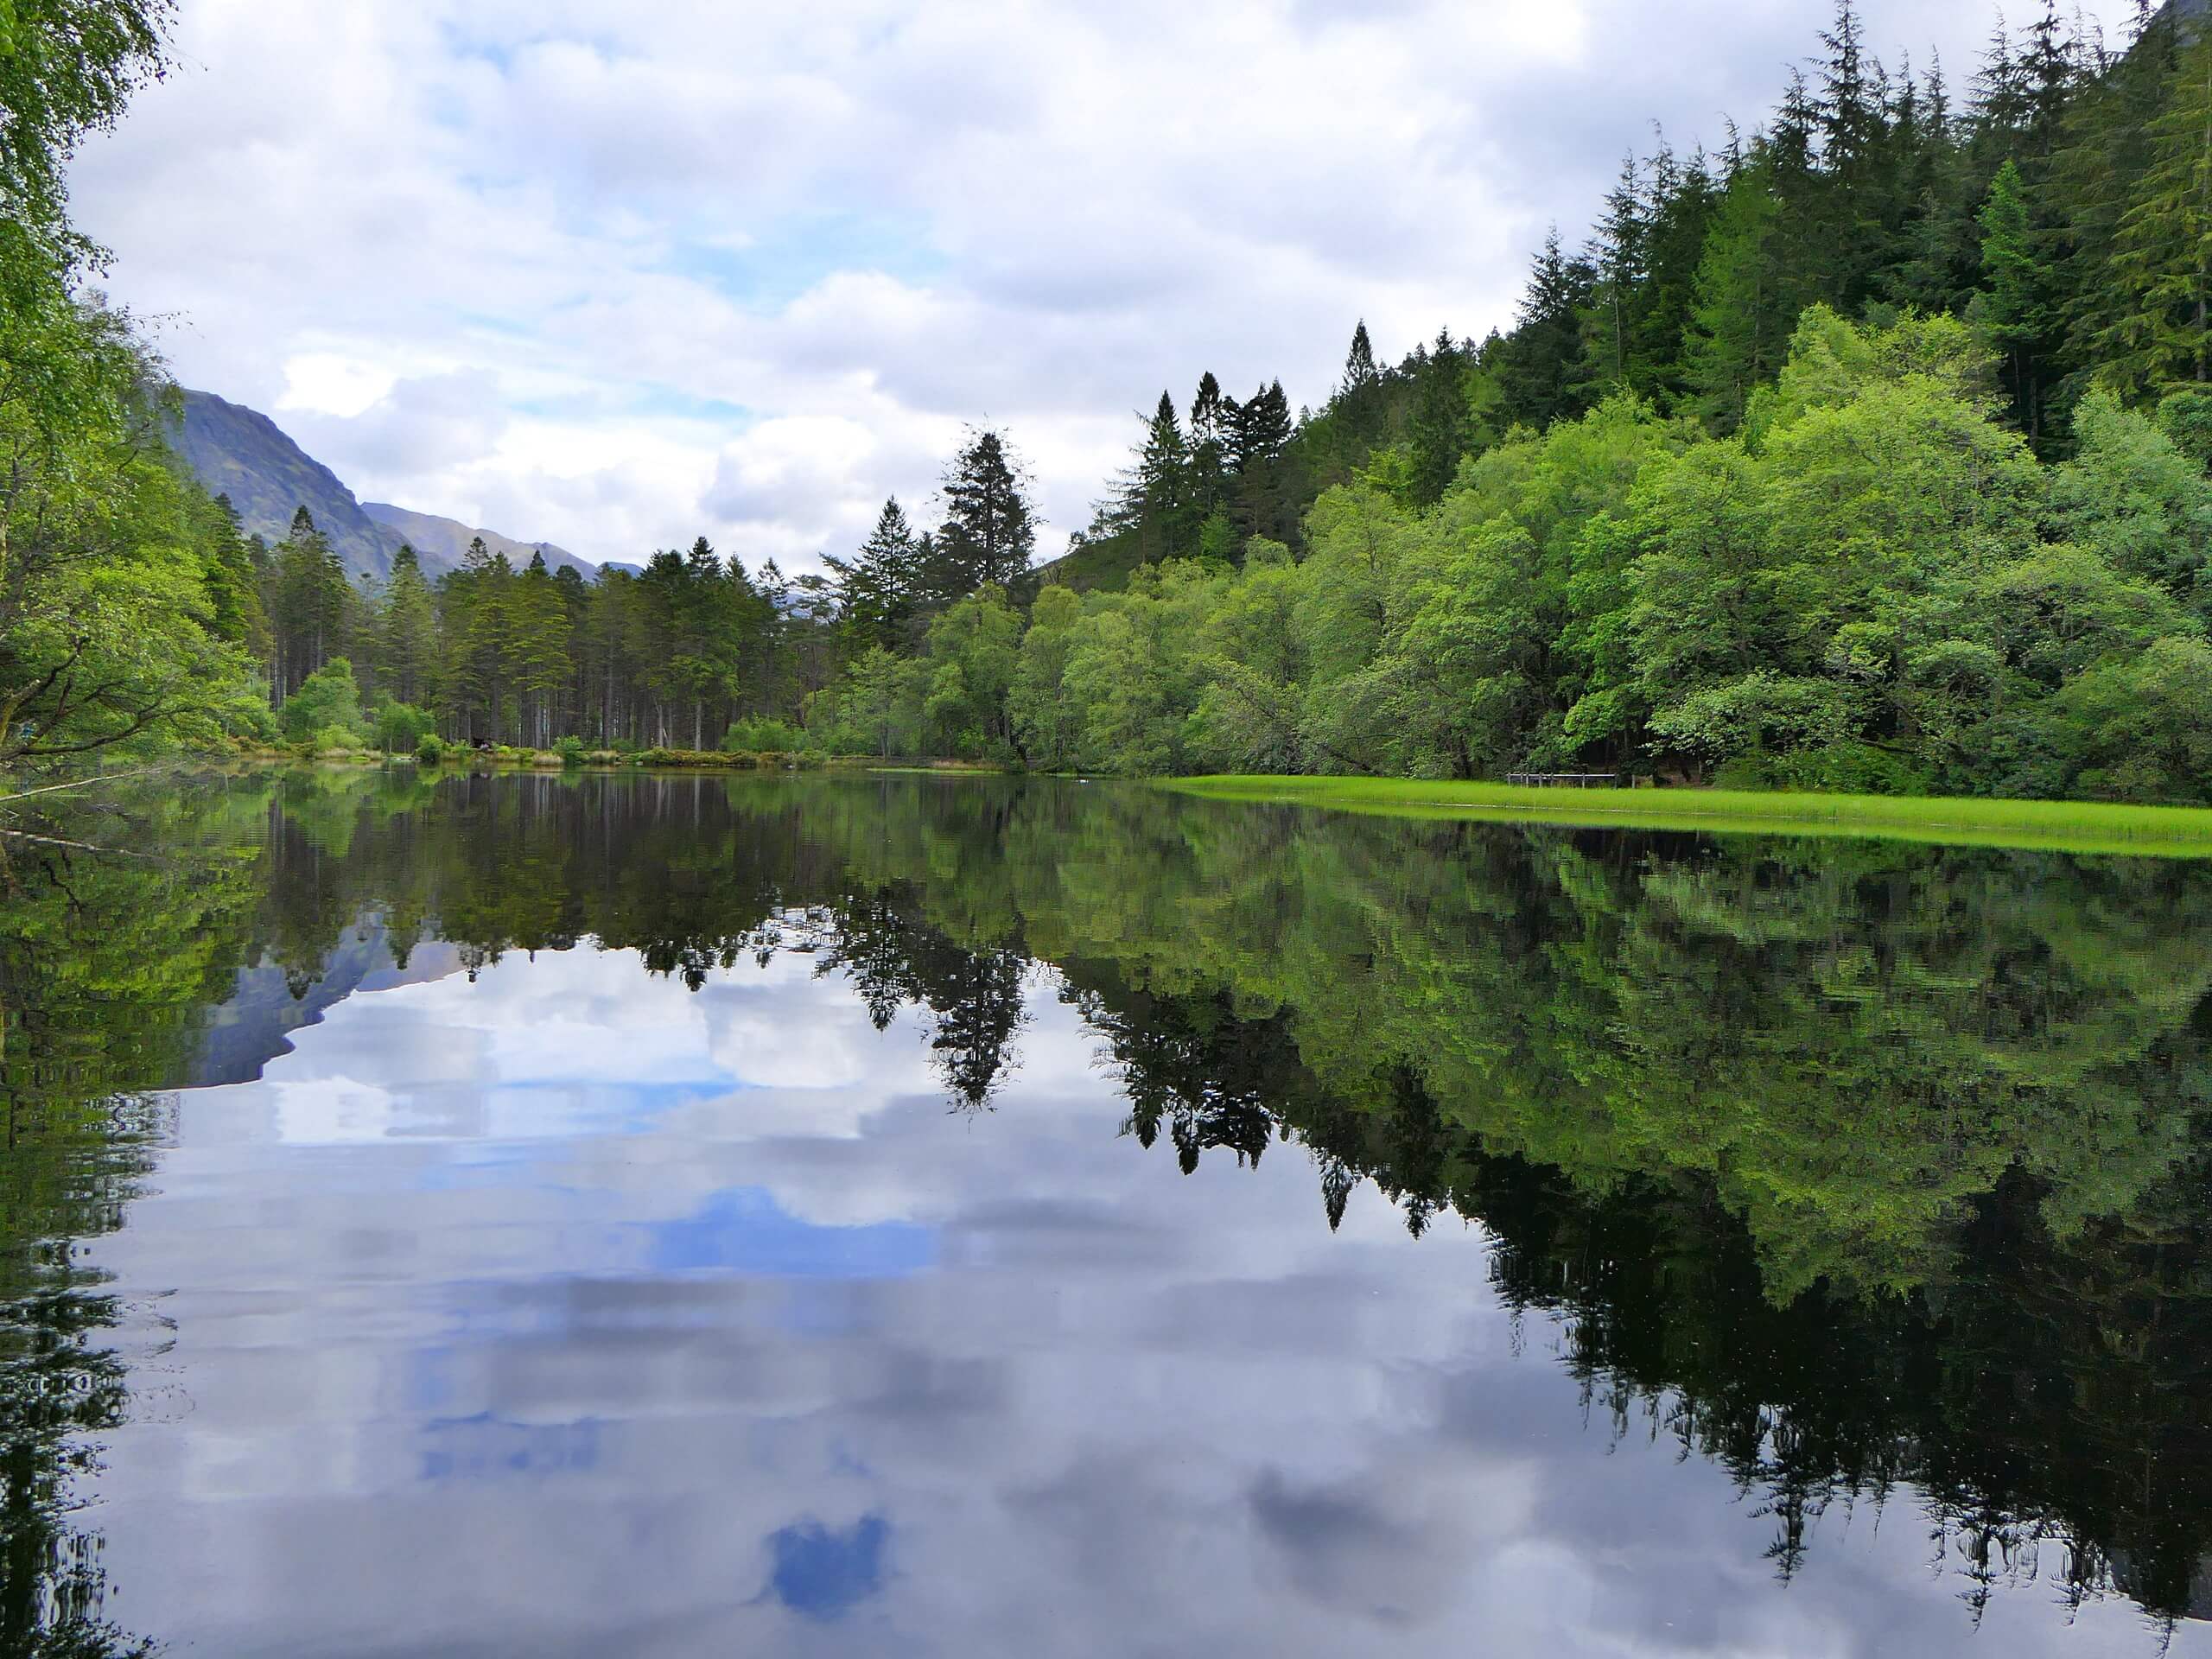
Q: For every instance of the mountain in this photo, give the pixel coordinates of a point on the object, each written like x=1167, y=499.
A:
x=441, y=542
x=241, y=453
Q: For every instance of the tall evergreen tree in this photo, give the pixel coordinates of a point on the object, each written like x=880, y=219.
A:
x=989, y=530
x=2015, y=308
x=1259, y=435
x=2160, y=267
x=1621, y=253
x=1213, y=418
x=1737, y=317
x=1538, y=363
x=1158, y=504
x=1438, y=435
x=539, y=642
x=878, y=591
x=406, y=655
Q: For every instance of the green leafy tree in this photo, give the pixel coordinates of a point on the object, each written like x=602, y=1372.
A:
x=327, y=699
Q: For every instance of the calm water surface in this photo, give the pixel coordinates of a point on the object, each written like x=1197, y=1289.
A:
x=590, y=1216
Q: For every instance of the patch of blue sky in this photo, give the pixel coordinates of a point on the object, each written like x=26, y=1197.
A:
x=651, y=401
x=822, y=1573
x=773, y=268
x=490, y=323
x=744, y=1231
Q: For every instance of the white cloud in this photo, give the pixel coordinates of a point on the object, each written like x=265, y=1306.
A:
x=616, y=276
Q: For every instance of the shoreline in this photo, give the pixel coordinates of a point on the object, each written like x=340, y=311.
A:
x=2093, y=827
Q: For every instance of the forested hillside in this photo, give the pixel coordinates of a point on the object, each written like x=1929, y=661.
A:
x=243, y=457
x=1869, y=451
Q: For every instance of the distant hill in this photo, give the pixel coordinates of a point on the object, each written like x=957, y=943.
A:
x=241, y=453
x=441, y=542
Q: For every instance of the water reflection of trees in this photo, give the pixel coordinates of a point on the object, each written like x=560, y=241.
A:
x=104, y=965
x=1849, y=1165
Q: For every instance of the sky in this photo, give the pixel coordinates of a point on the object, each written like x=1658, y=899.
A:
x=615, y=276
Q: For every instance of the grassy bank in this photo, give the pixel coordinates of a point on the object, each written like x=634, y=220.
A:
x=2058, y=826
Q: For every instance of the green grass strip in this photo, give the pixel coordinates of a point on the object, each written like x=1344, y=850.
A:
x=2057, y=826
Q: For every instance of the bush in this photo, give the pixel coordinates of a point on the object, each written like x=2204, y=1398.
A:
x=430, y=752
x=762, y=733
x=327, y=699
x=714, y=759
x=401, y=727
x=572, y=753
x=336, y=737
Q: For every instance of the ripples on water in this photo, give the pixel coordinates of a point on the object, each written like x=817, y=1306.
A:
x=580, y=1217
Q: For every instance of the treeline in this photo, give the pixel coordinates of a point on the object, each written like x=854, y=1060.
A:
x=681, y=654
x=1869, y=454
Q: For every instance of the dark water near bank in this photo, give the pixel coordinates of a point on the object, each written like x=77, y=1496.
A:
x=545, y=1217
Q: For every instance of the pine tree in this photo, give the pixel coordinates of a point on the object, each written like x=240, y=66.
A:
x=1854, y=226
x=309, y=605
x=1213, y=421
x=989, y=530
x=1537, y=364
x=878, y=591
x=1357, y=411
x=539, y=645
x=1158, y=505
x=1259, y=434
x=2015, y=306
x=1621, y=250
x=2160, y=268
x=1438, y=434
x=476, y=691
x=2105, y=152
x=1737, y=318
x=407, y=632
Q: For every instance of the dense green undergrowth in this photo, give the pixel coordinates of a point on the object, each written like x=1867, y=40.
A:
x=2068, y=826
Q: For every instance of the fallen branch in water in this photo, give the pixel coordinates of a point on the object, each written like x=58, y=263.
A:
x=82, y=782
x=82, y=846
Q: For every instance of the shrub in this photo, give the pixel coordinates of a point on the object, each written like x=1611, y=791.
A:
x=759, y=733
x=571, y=750
x=430, y=751
x=401, y=727
x=328, y=699
x=715, y=759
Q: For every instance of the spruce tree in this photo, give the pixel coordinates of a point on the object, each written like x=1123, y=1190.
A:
x=2014, y=308
x=539, y=647
x=1357, y=411
x=407, y=632
x=989, y=530
x=878, y=591
x=1438, y=434
x=2160, y=268
x=1737, y=319
x=1621, y=250
x=1213, y=418
x=1259, y=434
x=1538, y=360
x=1158, y=505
